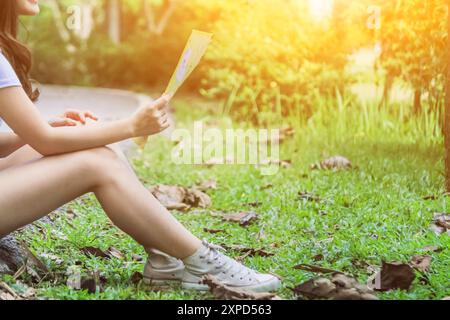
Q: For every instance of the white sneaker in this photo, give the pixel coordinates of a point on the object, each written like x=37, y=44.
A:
x=162, y=270
x=208, y=260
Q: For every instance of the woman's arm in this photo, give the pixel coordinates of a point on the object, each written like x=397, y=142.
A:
x=25, y=120
x=9, y=142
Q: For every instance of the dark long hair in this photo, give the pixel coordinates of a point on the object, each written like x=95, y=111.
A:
x=17, y=53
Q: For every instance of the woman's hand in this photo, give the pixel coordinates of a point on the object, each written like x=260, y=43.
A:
x=73, y=118
x=79, y=116
x=151, y=119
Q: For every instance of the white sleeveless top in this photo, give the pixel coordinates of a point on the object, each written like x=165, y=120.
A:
x=8, y=77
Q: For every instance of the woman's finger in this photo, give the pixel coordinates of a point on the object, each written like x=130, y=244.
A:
x=70, y=122
x=90, y=115
x=76, y=115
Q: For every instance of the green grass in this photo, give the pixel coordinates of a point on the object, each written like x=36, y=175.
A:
x=369, y=214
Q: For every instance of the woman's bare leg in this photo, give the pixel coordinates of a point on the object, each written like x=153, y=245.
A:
x=34, y=189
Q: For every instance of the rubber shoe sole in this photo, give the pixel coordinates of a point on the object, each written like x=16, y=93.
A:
x=268, y=286
x=161, y=284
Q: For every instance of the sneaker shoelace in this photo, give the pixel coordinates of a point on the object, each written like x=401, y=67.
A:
x=226, y=264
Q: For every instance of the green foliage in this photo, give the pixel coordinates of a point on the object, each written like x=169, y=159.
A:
x=414, y=37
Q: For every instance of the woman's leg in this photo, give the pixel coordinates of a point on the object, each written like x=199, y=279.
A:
x=34, y=189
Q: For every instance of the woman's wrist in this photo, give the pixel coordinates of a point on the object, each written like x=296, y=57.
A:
x=128, y=127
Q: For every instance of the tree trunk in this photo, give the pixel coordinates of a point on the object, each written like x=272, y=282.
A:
x=113, y=20
x=417, y=108
x=447, y=108
x=387, y=87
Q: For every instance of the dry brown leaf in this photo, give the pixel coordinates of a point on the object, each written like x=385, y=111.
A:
x=394, y=275
x=137, y=257
x=339, y=287
x=244, y=218
x=309, y=197
x=136, y=278
x=213, y=231
x=89, y=284
x=179, y=198
x=223, y=292
x=441, y=223
x=171, y=197
x=432, y=249
x=421, y=262
x=336, y=162
x=248, y=252
x=114, y=252
x=197, y=199
x=254, y=204
x=207, y=185
x=96, y=252
x=318, y=257
x=267, y=186
x=316, y=269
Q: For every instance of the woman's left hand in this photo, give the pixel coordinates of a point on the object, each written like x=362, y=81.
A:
x=79, y=116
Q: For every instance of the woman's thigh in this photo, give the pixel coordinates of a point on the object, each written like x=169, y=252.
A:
x=38, y=186
x=21, y=156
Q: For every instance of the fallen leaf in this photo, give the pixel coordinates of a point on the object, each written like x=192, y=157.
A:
x=89, y=284
x=394, y=275
x=180, y=198
x=171, y=197
x=213, y=231
x=223, y=292
x=114, y=252
x=318, y=257
x=441, y=223
x=70, y=213
x=316, y=269
x=248, y=252
x=339, y=287
x=430, y=197
x=336, y=162
x=267, y=186
x=309, y=197
x=207, y=185
x=421, y=262
x=254, y=204
x=137, y=257
x=136, y=278
x=432, y=249
x=197, y=199
x=244, y=218
x=93, y=251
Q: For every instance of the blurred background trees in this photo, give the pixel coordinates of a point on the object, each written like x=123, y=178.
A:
x=268, y=56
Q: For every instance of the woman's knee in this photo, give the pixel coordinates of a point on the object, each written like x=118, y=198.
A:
x=103, y=162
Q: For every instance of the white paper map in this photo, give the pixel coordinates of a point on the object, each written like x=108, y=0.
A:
x=193, y=52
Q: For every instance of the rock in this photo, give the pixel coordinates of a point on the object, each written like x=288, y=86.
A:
x=12, y=256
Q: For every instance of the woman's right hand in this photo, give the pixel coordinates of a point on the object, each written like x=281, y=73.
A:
x=151, y=119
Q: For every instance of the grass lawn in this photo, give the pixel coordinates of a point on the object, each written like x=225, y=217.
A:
x=372, y=213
